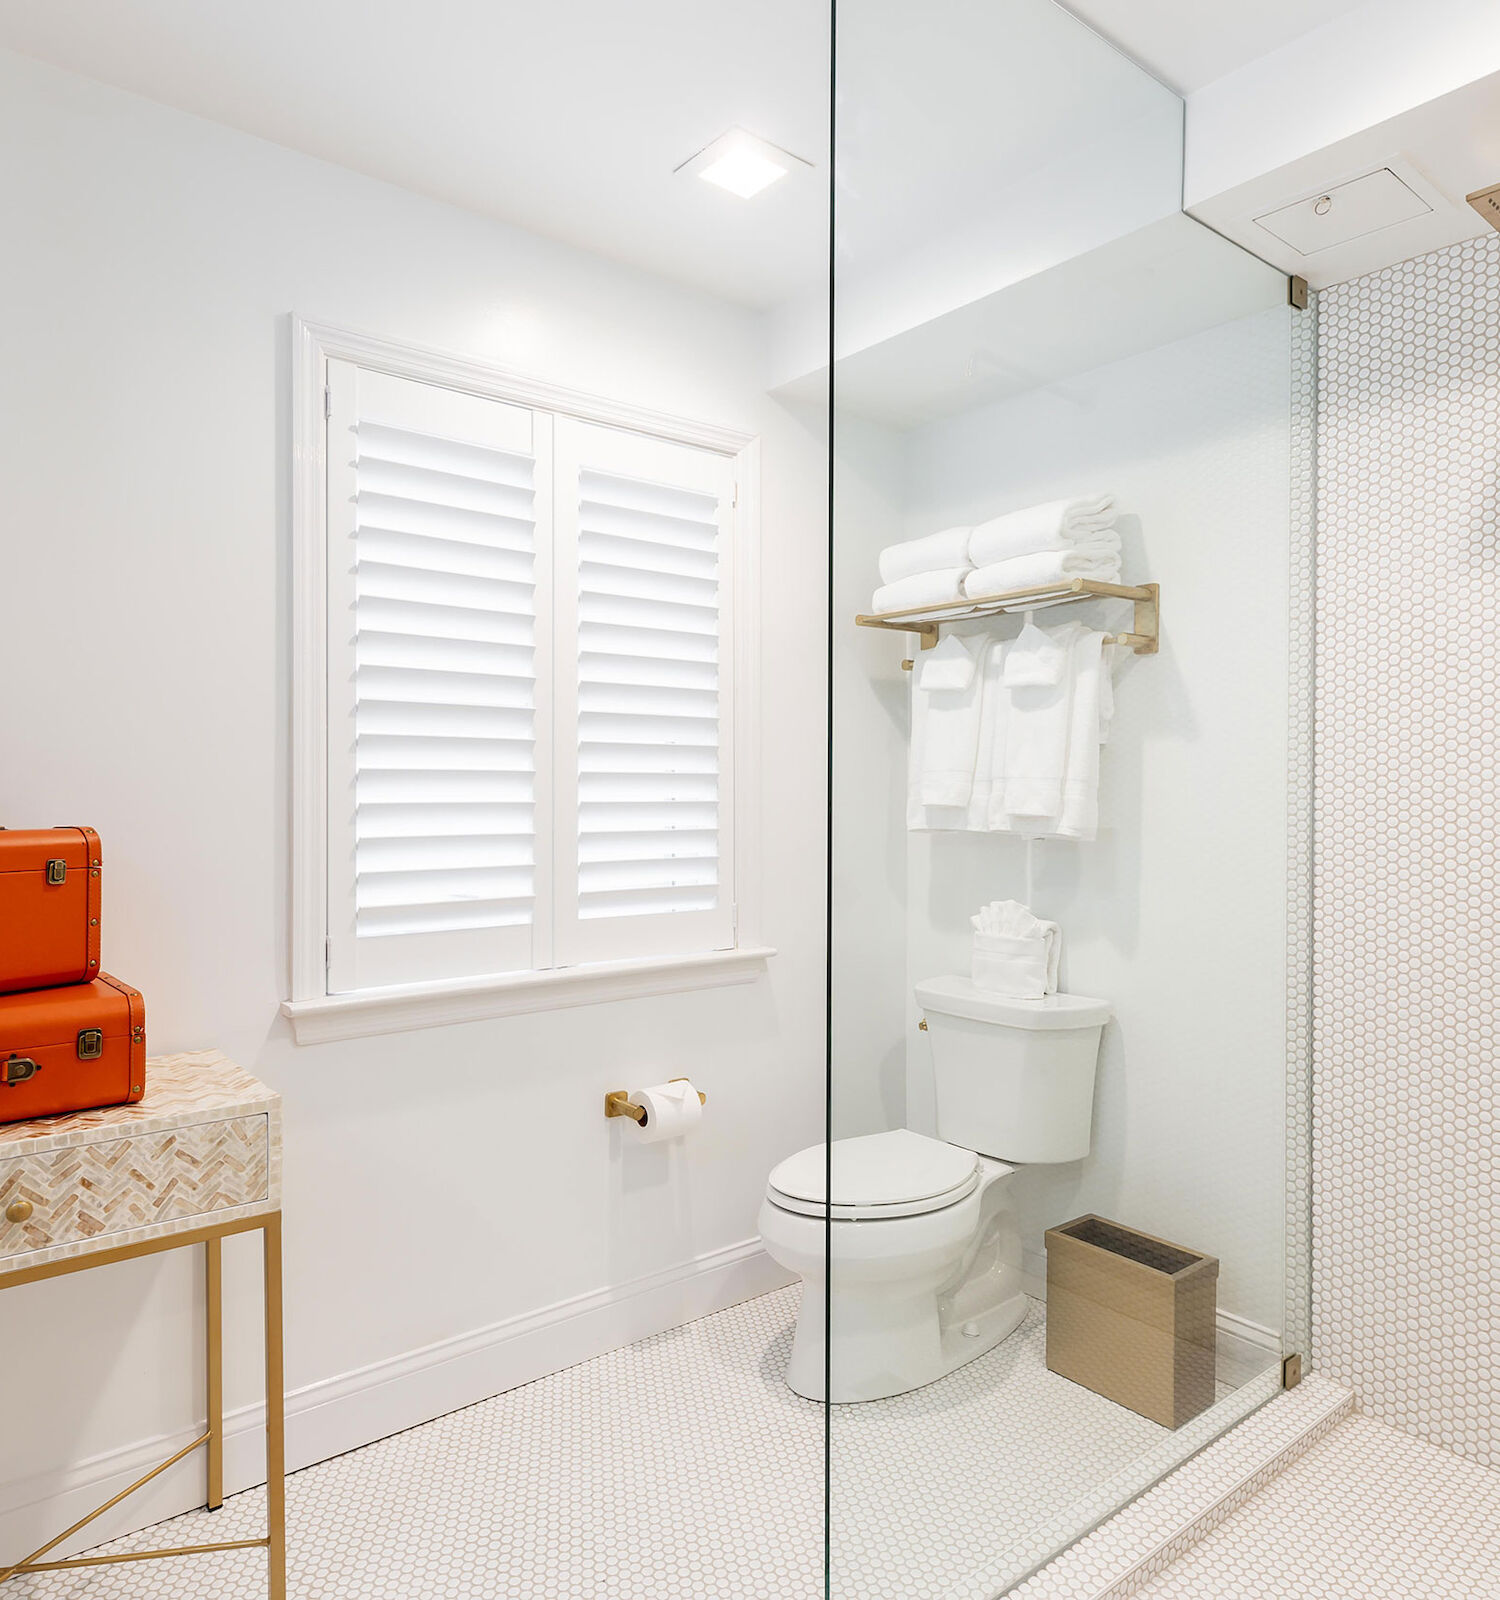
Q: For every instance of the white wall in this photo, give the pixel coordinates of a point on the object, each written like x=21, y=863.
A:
x=1176, y=913
x=438, y=1183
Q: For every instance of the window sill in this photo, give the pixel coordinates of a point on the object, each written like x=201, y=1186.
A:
x=432, y=1005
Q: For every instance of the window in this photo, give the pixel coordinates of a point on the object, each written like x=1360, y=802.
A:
x=518, y=620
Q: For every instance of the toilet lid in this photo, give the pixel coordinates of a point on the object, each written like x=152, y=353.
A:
x=897, y=1174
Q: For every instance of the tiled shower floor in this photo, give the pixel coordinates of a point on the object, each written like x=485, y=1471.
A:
x=677, y=1467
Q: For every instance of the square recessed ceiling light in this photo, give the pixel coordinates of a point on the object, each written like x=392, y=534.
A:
x=741, y=163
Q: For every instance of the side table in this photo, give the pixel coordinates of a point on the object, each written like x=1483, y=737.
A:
x=197, y=1159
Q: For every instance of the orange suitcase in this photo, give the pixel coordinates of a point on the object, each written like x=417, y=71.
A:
x=71, y=1049
x=49, y=907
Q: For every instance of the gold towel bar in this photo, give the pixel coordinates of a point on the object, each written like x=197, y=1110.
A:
x=617, y=1103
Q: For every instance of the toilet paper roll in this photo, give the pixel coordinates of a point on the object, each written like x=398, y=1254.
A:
x=672, y=1109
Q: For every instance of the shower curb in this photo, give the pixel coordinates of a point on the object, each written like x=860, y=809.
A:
x=1139, y=1542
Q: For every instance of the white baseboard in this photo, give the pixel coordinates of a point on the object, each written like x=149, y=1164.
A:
x=1245, y=1349
x=341, y=1413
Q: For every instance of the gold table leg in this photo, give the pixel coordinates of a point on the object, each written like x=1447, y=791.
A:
x=275, y=1415
x=274, y=1541
x=213, y=1290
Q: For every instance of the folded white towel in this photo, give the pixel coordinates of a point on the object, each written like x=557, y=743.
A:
x=950, y=548
x=950, y=744
x=1036, y=659
x=1099, y=559
x=1047, y=527
x=923, y=589
x=948, y=665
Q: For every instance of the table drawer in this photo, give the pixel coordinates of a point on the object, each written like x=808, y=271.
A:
x=83, y=1192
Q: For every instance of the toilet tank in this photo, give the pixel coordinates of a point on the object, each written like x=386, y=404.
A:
x=1014, y=1078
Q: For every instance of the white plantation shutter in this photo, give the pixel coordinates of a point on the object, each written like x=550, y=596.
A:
x=643, y=767
x=439, y=643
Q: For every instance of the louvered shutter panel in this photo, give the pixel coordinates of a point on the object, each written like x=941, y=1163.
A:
x=643, y=756
x=439, y=646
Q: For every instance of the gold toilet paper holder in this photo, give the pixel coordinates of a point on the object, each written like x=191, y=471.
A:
x=617, y=1103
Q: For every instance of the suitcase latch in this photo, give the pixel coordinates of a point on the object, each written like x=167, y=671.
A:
x=57, y=870
x=18, y=1069
x=90, y=1044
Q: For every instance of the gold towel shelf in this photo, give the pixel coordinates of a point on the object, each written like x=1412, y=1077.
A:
x=617, y=1103
x=927, y=620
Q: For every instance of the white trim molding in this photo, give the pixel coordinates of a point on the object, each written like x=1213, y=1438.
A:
x=433, y=1005
x=315, y=1013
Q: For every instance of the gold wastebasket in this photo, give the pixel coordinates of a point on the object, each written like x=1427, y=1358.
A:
x=1132, y=1317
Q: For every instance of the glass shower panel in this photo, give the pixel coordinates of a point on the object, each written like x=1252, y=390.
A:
x=1059, y=871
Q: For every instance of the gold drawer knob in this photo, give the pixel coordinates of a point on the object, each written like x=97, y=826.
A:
x=18, y=1211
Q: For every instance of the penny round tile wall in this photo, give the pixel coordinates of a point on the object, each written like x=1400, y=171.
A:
x=1404, y=974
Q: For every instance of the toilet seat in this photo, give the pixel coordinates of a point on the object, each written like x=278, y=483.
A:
x=896, y=1174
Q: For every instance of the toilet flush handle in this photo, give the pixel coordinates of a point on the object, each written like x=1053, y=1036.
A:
x=922, y=1025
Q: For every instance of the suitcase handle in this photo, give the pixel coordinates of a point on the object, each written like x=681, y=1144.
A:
x=18, y=1069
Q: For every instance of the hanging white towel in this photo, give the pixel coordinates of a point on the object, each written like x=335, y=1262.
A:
x=1036, y=659
x=1047, y=527
x=1097, y=558
x=1036, y=743
x=993, y=706
x=950, y=742
x=950, y=548
x=1090, y=706
x=948, y=665
x=1088, y=727
x=924, y=589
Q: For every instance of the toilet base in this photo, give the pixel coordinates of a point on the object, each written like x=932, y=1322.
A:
x=913, y=1299
x=902, y=1349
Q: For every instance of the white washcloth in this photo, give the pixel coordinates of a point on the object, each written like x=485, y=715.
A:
x=948, y=665
x=993, y=708
x=1098, y=559
x=943, y=768
x=1053, y=526
x=1036, y=744
x=1036, y=659
x=924, y=589
x=950, y=548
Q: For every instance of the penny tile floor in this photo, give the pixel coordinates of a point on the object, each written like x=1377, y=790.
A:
x=680, y=1466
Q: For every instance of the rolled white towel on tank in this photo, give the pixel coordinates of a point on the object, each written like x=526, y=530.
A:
x=1098, y=560
x=1017, y=967
x=1015, y=951
x=950, y=548
x=1052, y=526
x=924, y=589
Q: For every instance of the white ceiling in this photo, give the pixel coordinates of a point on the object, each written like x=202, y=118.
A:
x=1188, y=43
x=567, y=117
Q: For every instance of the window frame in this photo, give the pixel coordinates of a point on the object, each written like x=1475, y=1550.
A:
x=316, y=1014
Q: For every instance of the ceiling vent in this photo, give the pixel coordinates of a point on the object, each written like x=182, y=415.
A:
x=1364, y=205
x=1487, y=203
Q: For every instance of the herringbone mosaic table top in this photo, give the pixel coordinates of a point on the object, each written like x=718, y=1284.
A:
x=181, y=1090
x=203, y=1144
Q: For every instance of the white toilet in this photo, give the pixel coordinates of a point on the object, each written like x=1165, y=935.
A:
x=925, y=1244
